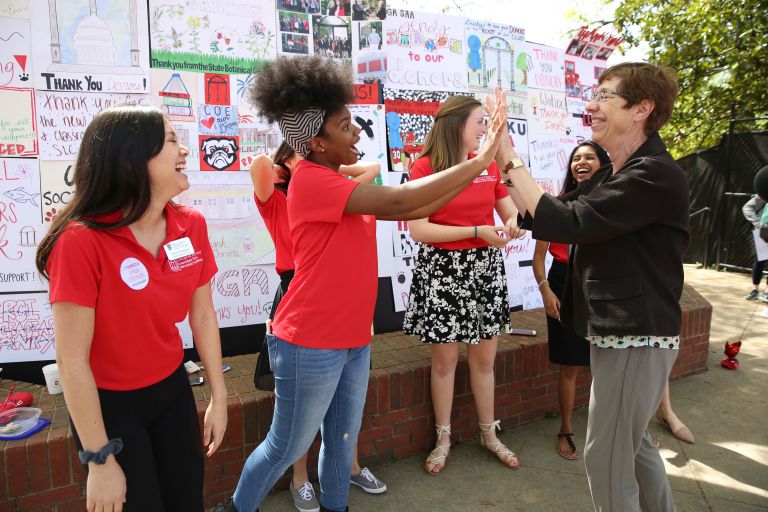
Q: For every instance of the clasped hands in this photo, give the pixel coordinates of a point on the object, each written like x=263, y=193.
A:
x=499, y=236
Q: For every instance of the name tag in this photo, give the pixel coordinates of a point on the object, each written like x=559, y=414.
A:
x=178, y=248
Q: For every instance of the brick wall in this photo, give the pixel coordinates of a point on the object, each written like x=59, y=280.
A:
x=42, y=473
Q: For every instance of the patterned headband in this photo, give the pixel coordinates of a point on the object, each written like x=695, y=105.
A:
x=299, y=127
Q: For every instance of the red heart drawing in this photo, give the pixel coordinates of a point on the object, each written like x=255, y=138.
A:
x=208, y=122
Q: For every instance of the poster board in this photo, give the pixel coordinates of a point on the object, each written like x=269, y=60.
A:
x=197, y=59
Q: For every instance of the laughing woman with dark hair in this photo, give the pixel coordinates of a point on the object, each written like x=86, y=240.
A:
x=126, y=265
x=320, y=347
x=566, y=349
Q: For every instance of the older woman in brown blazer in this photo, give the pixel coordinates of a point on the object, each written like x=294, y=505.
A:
x=629, y=228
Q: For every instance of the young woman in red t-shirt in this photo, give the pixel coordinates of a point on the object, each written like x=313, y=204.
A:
x=459, y=289
x=125, y=266
x=320, y=349
x=271, y=178
x=566, y=348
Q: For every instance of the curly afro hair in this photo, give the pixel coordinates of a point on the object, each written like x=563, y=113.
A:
x=300, y=83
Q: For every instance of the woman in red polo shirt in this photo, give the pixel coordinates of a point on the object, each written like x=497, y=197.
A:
x=566, y=348
x=270, y=187
x=459, y=289
x=125, y=265
x=320, y=348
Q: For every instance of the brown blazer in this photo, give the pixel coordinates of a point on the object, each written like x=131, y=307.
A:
x=629, y=231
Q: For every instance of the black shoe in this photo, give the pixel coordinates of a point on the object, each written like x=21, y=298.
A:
x=753, y=295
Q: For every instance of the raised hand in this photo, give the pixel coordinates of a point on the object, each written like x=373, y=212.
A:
x=496, y=109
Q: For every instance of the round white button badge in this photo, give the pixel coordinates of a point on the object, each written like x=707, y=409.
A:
x=134, y=274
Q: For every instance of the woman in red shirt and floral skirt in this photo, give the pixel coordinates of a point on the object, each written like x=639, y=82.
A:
x=459, y=289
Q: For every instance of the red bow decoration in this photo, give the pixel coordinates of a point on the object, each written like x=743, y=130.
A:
x=731, y=351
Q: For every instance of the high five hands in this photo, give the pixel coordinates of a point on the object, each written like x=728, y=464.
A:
x=498, y=104
x=496, y=110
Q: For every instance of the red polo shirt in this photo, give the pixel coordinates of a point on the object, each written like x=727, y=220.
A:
x=275, y=214
x=473, y=206
x=138, y=298
x=330, y=302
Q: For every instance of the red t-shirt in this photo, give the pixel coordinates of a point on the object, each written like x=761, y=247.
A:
x=138, y=299
x=559, y=251
x=473, y=206
x=275, y=214
x=330, y=302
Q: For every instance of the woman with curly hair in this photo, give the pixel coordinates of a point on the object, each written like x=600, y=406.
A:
x=271, y=178
x=320, y=344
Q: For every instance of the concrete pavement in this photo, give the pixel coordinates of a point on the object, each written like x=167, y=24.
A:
x=725, y=471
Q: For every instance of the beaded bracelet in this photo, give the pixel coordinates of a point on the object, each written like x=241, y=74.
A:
x=541, y=283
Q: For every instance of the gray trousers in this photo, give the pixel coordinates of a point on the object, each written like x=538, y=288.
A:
x=624, y=468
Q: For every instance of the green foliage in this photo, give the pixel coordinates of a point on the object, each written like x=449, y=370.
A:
x=720, y=51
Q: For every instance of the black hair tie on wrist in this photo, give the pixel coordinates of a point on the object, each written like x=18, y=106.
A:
x=100, y=457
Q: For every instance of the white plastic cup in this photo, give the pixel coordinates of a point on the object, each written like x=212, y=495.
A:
x=51, y=374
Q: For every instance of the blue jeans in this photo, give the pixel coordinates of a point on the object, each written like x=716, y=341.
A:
x=314, y=389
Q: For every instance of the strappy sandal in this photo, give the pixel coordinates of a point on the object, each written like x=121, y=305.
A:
x=504, y=454
x=574, y=455
x=440, y=453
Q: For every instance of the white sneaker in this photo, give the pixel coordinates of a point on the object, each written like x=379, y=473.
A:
x=367, y=482
x=304, y=498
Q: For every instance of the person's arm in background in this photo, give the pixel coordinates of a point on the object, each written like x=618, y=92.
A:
x=73, y=326
x=551, y=302
x=422, y=230
x=205, y=330
x=752, y=210
x=363, y=172
x=263, y=177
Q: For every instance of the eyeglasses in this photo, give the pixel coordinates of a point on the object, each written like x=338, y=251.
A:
x=600, y=95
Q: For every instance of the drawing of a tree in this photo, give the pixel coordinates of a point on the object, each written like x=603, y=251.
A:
x=158, y=14
x=522, y=65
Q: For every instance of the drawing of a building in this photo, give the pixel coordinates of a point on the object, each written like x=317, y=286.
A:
x=93, y=43
x=255, y=140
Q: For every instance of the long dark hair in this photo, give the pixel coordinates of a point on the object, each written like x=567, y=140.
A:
x=283, y=153
x=569, y=183
x=111, y=172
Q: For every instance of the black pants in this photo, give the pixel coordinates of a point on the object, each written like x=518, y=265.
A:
x=162, y=455
x=263, y=378
x=757, y=271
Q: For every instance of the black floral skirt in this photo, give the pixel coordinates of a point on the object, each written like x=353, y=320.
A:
x=457, y=296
